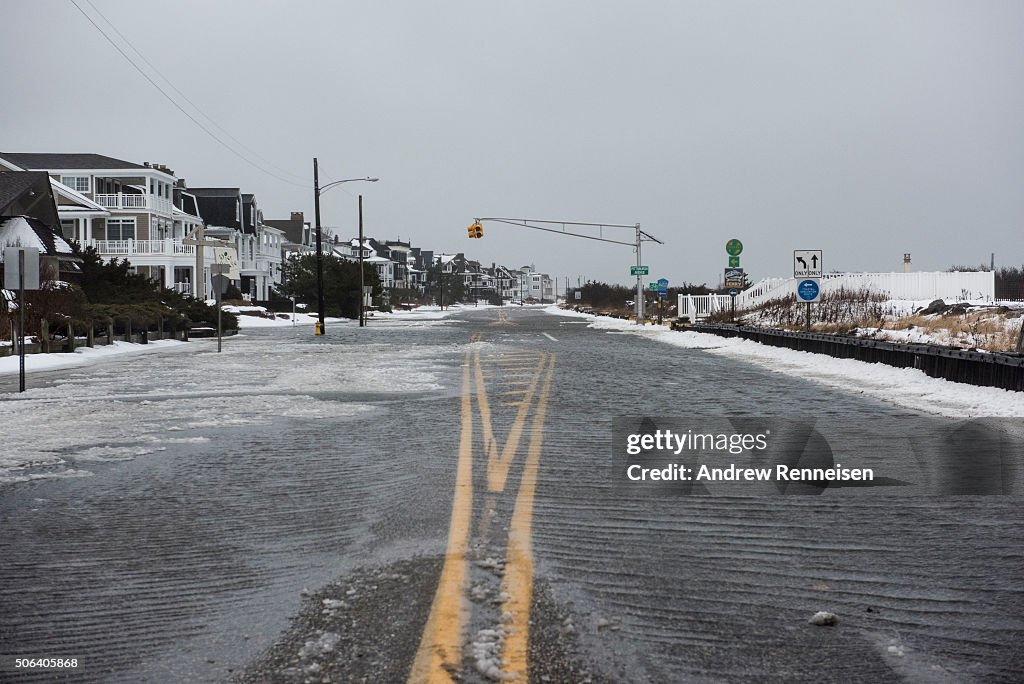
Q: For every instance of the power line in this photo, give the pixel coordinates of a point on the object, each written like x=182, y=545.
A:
x=178, y=106
x=186, y=97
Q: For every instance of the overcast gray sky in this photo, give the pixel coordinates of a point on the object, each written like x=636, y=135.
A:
x=866, y=129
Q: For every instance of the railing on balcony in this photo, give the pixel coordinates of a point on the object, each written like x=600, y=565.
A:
x=142, y=247
x=122, y=200
x=183, y=288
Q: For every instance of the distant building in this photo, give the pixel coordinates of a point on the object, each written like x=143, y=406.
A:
x=235, y=217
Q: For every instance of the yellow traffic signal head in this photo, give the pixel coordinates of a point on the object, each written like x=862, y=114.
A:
x=475, y=230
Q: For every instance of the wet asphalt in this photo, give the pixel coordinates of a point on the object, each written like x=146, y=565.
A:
x=279, y=513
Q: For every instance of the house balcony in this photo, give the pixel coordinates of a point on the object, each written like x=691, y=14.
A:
x=126, y=248
x=134, y=202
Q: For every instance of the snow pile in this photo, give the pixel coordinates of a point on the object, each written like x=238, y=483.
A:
x=905, y=387
x=81, y=357
x=319, y=646
x=281, y=319
x=823, y=618
x=420, y=313
x=486, y=652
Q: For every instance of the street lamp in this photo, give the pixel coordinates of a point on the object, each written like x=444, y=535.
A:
x=317, y=191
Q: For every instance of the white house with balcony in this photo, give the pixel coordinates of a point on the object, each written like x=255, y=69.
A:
x=124, y=210
x=538, y=286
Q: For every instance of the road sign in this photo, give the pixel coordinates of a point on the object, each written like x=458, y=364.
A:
x=808, y=290
x=652, y=286
x=662, y=283
x=228, y=256
x=734, y=262
x=734, y=291
x=807, y=263
x=12, y=269
x=663, y=294
x=734, y=277
x=733, y=247
x=638, y=270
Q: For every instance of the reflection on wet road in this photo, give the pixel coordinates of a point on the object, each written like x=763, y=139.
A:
x=182, y=502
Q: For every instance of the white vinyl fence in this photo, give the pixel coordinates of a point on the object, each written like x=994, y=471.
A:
x=956, y=286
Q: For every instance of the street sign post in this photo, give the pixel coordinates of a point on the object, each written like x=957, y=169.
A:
x=21, y=272
x=807, y=263
x=734, y=277
x=734, y=262
x=638, y=270
x=808, y=290
x=219, y=276
x=733, y=247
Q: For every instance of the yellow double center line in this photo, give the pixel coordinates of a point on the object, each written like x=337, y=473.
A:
x=439, y=658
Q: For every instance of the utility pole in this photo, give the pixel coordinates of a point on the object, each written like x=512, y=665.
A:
x=21, y=320
x=640, y=296
x=362, y=297
x=319, y=250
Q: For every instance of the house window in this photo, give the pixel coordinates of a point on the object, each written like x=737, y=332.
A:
x=120, y=229
x=76, y=183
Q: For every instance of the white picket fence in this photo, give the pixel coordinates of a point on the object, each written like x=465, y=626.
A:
x=956, y=286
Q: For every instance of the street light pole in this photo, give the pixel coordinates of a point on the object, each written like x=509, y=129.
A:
x=317, y=191
x=362, y=315
x=319, y=251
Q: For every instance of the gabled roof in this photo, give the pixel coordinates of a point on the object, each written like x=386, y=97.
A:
x=214, y=192
x=48, y=161
x=15, y=184
x=28, y=193
x=81, y=202
x=25, y=231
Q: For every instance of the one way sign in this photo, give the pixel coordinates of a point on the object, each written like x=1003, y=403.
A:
x=807, y=263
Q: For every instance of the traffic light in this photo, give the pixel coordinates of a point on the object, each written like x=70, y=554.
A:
x=475, y=230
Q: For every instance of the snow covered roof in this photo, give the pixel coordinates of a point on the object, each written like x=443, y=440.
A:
x=176, y=212
x=78, y=198
x=24, y=231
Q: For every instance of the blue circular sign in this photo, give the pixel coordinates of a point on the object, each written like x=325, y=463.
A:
x=807, y=290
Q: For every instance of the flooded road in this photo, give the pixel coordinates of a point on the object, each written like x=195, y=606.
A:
x=429, y=500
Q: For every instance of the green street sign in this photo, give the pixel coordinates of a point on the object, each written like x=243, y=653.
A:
x=638, y=270
x=734, y=262
x=652, y=286
x=733, y=247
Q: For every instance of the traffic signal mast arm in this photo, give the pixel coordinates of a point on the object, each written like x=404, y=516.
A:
x=526, y=223
x=641, y=237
